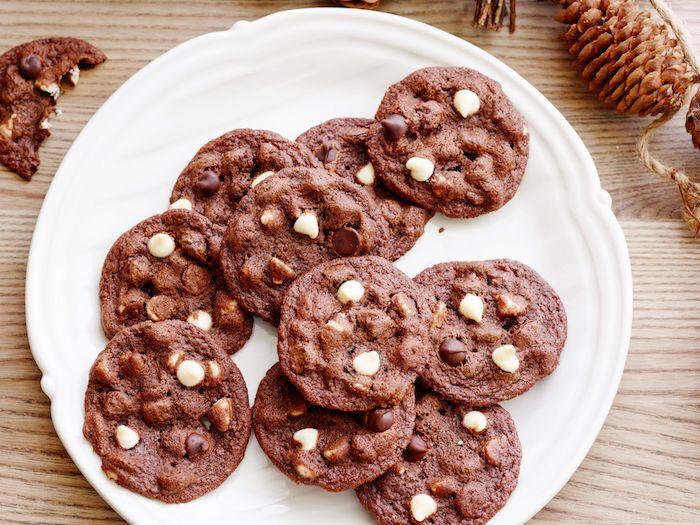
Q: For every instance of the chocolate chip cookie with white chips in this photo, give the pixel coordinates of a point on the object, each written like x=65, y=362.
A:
x=450, y=140
x=461, y=468
x=316, y=446
x=497, y=329
x=224, y=169
x=354, y=334
x=290, y=223
x=340, y=144
x=167, y=411
x=166, y=268
x=31, y=76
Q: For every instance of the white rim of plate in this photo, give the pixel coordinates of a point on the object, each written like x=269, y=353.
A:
x=597, y=199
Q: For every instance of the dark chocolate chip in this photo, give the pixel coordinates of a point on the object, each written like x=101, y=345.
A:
x=416, y=449
x=326, y=153
x=346, y=241
x=453, y=351
x=380, y=419
x=208, y=183
x=394, y=127
x=30, y=67
x=196, y=444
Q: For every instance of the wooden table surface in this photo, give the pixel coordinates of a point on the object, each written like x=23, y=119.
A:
x=645, y=465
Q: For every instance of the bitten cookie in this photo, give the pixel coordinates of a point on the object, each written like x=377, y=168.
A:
x=316, y=446
x=354, y=334
x=224, y=169
x=460, y=468
x=167, y=411
x=290, y=223
x=30, y=82
x=497, y=329
x=165, y=268
x=450, y=140
x=340, y=144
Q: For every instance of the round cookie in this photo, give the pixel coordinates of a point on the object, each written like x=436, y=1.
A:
x=167, y=411
x=354, y=334
x=290, y=223
x=165, y=268
x=224, y=169
x=497, y=329
x=460, y=468
x=340, y=144
x=426, y=151
x=331, y=449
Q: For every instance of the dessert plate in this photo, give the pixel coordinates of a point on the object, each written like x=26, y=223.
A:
x=287, y=72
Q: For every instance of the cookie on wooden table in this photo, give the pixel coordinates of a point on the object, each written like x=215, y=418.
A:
x=460, y=468
x=166, y=268
x=225, y=168
x=167, y=411
x=450, y=140
x=331, y=449
x=340, y=144
x=290, y=223
x=354, y=334
x=497, y=329
x=31, y=75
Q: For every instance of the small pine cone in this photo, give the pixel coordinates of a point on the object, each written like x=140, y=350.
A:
x=692, y=120
x=630, y=60
x=362, y=4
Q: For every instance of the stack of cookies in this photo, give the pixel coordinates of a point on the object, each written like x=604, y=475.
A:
x=385, y=384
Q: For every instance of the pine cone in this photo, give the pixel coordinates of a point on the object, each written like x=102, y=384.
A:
x=692, y=120
x=363, y=4
x=630, y=60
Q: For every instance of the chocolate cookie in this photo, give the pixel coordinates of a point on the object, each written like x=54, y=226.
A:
x=497, y=329
x=290, y=223
x=354, y=334
x=30, y=82
x=167, y=411
x=341, y=145
x=165, y=268
x=317, y=446
x=224, y=169
x=460, y=468
x=450, y=140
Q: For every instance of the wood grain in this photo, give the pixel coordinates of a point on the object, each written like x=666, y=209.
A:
x=645, y=465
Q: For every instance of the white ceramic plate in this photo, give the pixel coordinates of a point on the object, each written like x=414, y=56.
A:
x=287, y=72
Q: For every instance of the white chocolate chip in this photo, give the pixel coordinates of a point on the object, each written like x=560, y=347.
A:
x=307, y=224
x=7, y=126
x=74, y=75
x=306, y=437
x=112, y=475
x=305, y=472
x=161, y=245
x=127, y=437
x=472, y=307
x=366, y=174
x=466, y=102
x=475, y=421
x=214, y=371
x=505, y=358
x=350, y=291
x=149, y=311
x=267, y=216
x=45, y=124
x=421, y=169
x=201, y=319
x=181, y=204
x=190, y=373
x=422, y=507
x=174, y=359
x=366, y=363
x=257, y=180
x=51, y=89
